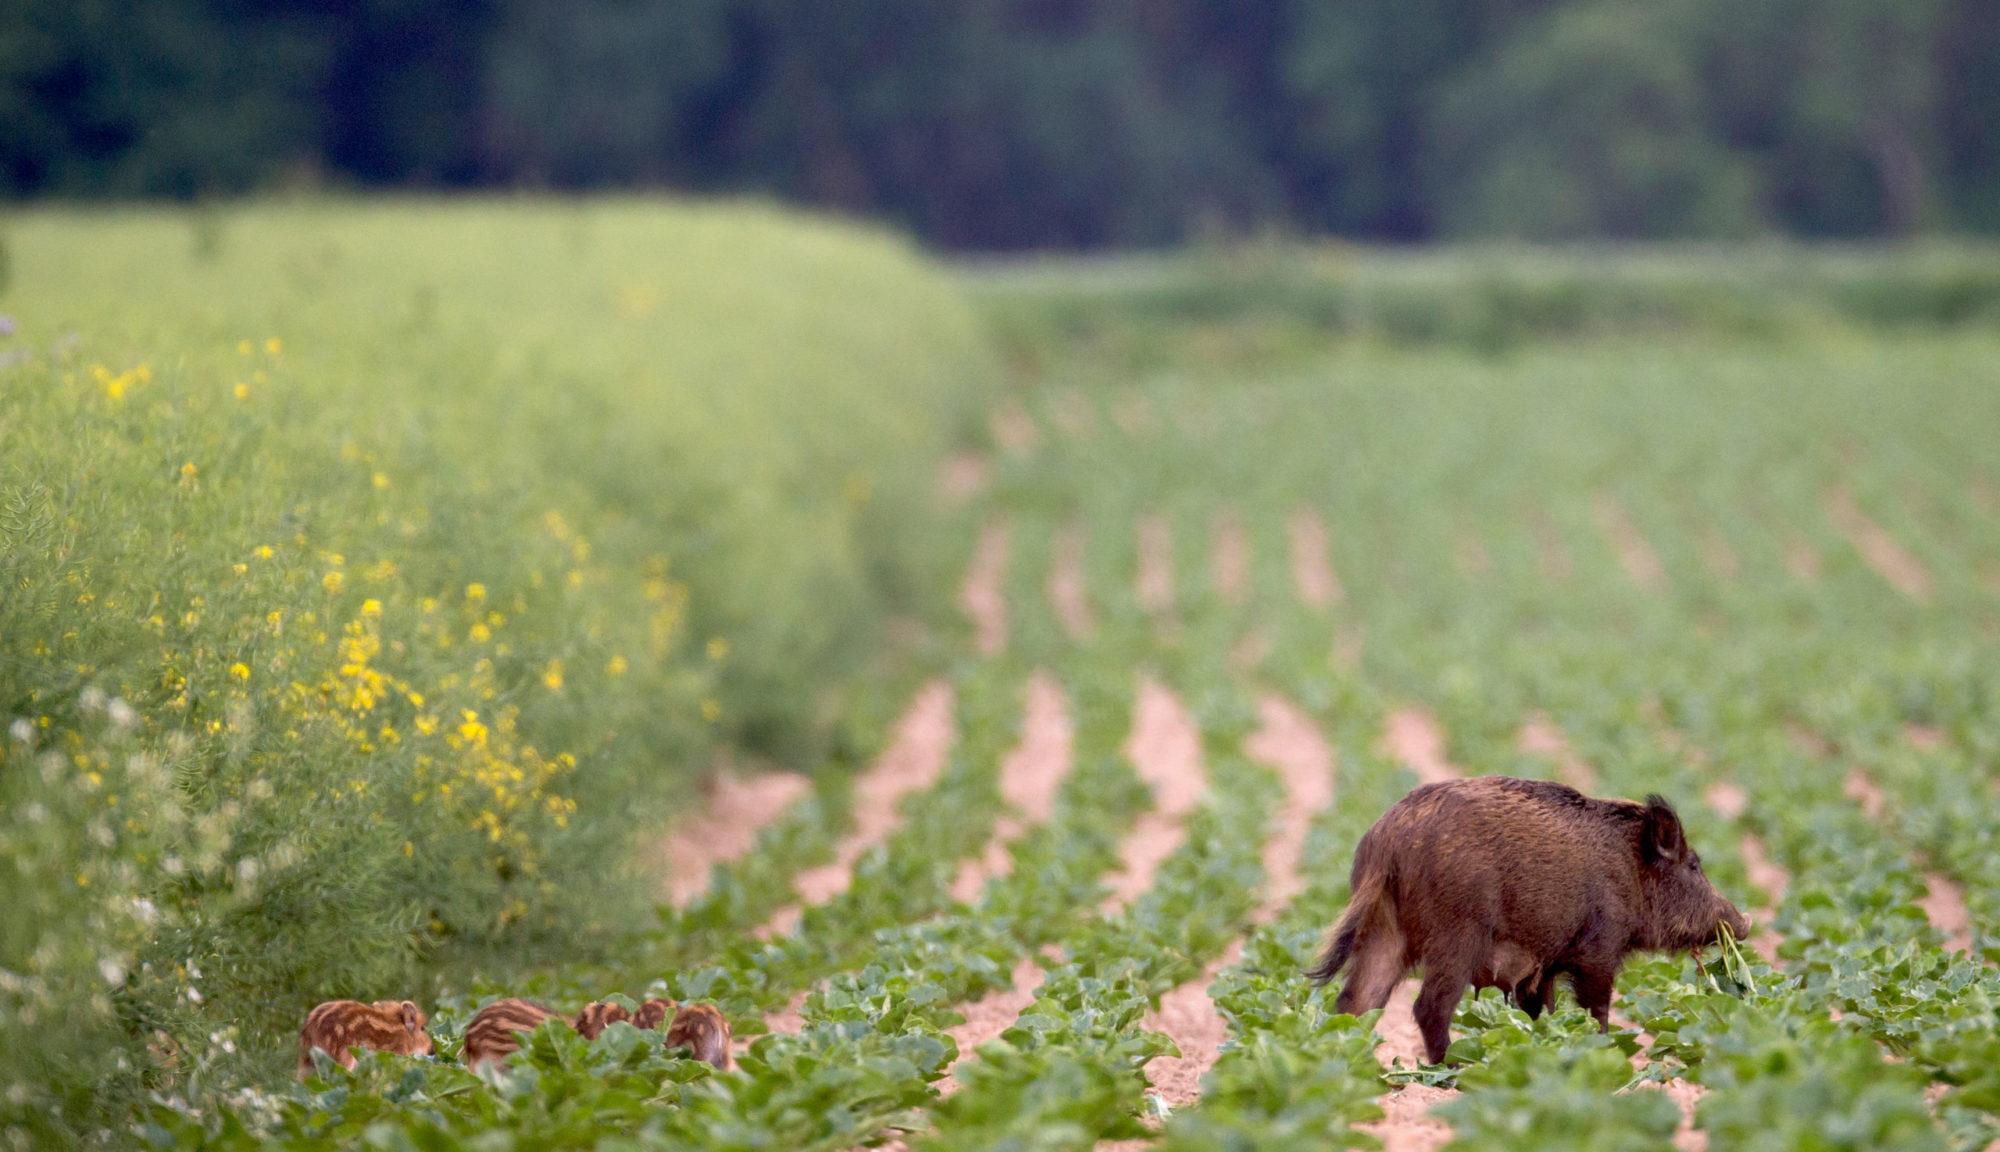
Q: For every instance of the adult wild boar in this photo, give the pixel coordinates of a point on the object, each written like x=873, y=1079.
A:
x=1499, y=882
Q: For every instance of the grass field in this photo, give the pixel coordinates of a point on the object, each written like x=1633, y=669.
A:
x=1235, y=578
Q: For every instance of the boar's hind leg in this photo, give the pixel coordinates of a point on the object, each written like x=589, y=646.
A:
x=1373, y=972
x=1445, y=980
x=1534, y=994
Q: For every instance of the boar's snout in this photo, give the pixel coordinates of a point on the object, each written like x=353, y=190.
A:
x=1732, y=919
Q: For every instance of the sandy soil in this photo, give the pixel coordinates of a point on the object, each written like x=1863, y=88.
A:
x=1802, y=560
x=1312, y=567
x=1889, y=559
x=1229, y=559
x=1925, y=737
x=1155, y=586
x=963, y=477
x=1635, y=554
x=1943, y=902
x=980, y=596
x=1414, y=737
x=1290, y=742
x=1188, y=1016
x=990, y=1015
x=913, y=760
x=1541, y=737
x=1407, y=1125
x=1066, y=584
x=1030, y=777
x=1863, y=790
x=1165, y=748
x=1014, y=430
x=734, y=809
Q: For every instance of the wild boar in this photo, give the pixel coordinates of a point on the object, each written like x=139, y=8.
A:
x=1507, y=883
x=337, y=1027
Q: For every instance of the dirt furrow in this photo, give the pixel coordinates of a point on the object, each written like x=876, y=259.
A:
x=1802, y=560
x=1030, y=776
x=1189, y=1018
x=1155, y=585
x=912, y=761
x=1229, y=560
x=1541, y=737
x=1635, y=554
x=1014, y=430
x=1406, y=1124
x=734, y=809
x=1312, y=566
x=1165, y=748
x=1943, y=900
x=1730, y=802
x=981, y=595
x=963, y=477
x=1890, y=560
x=1290, y=742
x=1414, y=737
x=1066, y=589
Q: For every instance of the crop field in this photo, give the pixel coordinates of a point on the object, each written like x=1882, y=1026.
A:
x=1186, y=596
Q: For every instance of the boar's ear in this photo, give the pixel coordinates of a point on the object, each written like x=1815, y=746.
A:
x=413, y=1017
x=1661, y=837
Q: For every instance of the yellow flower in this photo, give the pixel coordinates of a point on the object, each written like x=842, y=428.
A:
x=409, y=849
x=480, y=633
x=241, y=391
x=189, y=472
x=380, y=480
x=274, y=346
x=718, y=648
x=239, y=568
x=475, y=591
x=263, y=552
x=244, y=348
x=553, y=675
x=711, y=710
x=332, y=581
x=617, y=665
x=416, y=699
x=240, y=670
x=371, y=607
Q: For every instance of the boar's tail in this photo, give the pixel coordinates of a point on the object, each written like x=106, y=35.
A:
x=1361, y=910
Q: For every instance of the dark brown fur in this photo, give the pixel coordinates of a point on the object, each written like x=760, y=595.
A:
x=495, y=1031
x=337, y=1027
x=595, y=1018
x=702, y=1030
x=1502, y=883
x=652, y=1013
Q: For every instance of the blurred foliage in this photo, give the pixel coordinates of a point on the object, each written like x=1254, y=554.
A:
x=1022, y=123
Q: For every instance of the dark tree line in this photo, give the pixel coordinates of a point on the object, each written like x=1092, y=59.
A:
x=1073, y=123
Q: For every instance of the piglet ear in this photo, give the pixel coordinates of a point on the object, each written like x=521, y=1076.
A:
x=1661, y=837
x=413, y=1017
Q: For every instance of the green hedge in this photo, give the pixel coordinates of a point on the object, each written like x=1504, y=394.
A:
x=375, y=573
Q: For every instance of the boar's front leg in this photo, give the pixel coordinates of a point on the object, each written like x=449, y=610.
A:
x=1593, y=991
